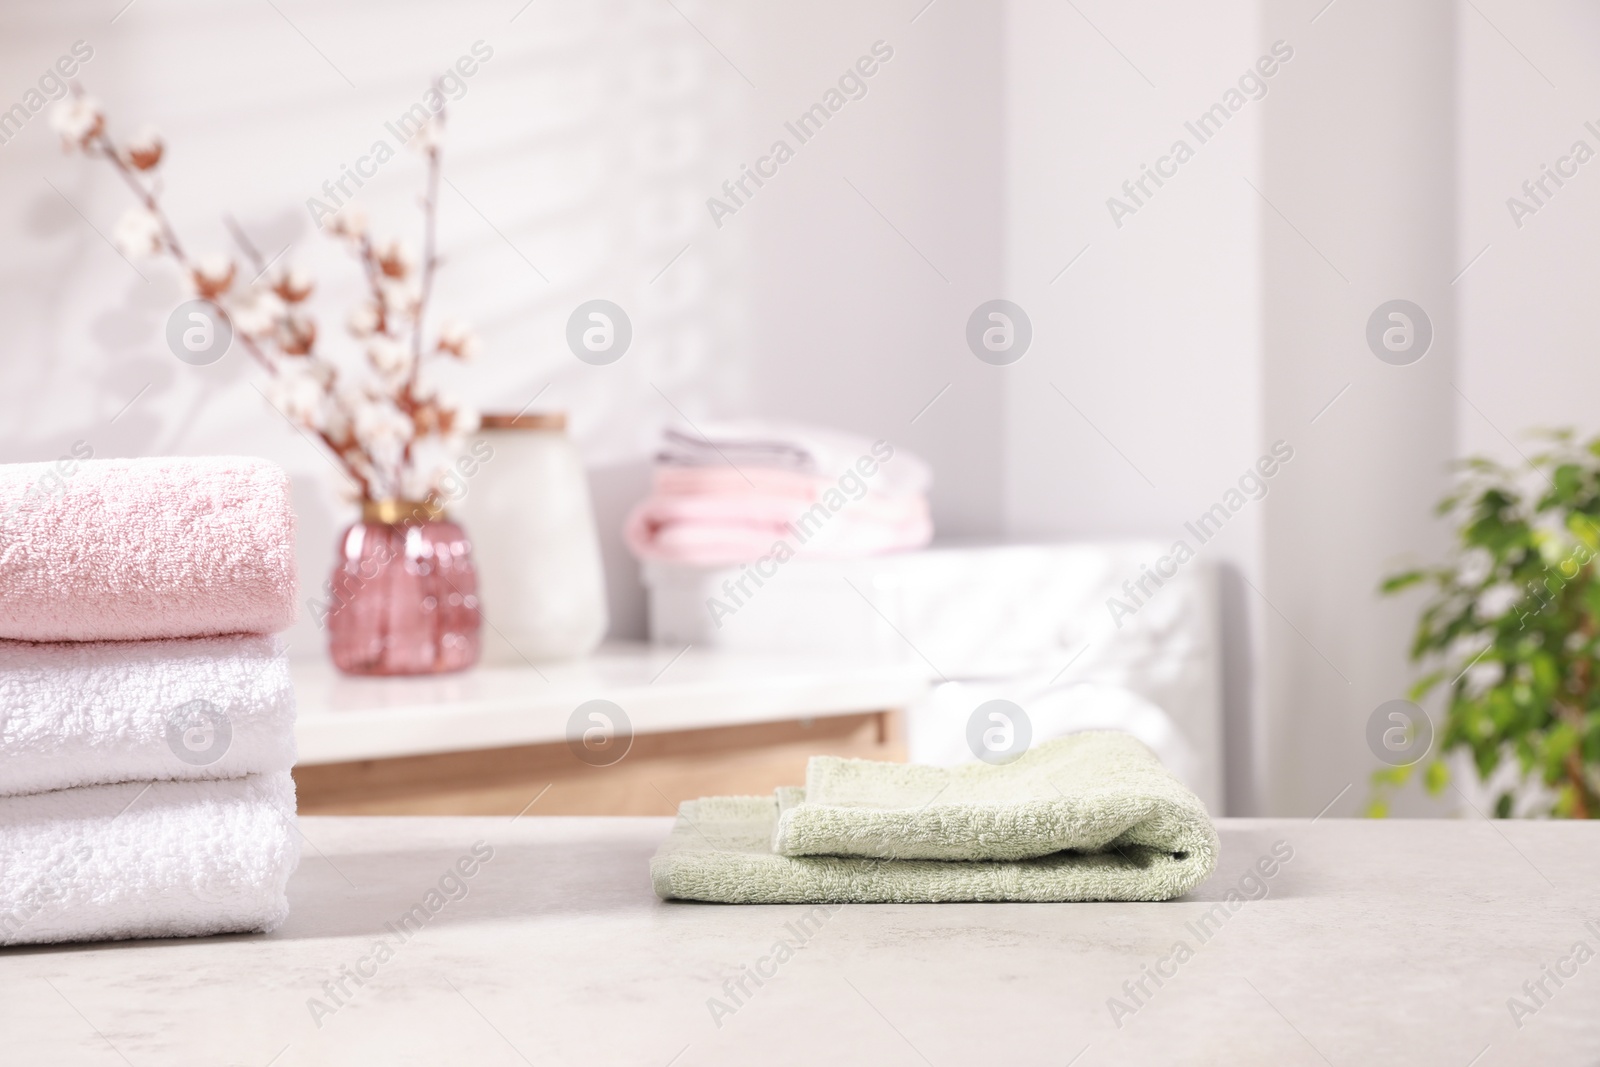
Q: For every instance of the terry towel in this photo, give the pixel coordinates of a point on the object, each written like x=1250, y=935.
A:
x=77, y=714
x=727, y=529
x=133, y=549
x=163, y=859
x=769, y=444
x=756, y=488
x=1091, y=816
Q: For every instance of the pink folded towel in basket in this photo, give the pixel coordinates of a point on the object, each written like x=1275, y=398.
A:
x=134, y=549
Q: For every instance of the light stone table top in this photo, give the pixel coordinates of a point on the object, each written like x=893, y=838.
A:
x=1374, y=943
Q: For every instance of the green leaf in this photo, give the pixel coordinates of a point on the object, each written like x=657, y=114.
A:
x=1404, y=580
x=1585, y=529
x=1391, y=776
x=1546, y=673
x=1568, y=478
x=1424, y=685
x=1562, y=739
x=1539, y=531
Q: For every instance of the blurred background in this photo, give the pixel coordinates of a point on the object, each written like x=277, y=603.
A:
x=1180, y=329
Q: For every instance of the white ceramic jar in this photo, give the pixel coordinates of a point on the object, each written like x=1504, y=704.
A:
x=526, y=510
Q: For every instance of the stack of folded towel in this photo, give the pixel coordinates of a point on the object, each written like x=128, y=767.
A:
x=1091, y=816
x=726, y=493
x=146, y=712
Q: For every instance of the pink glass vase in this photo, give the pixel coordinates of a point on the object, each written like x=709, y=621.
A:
x=405, y=594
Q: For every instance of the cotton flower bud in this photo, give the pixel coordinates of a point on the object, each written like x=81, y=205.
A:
x=292, y=285
x=364, y=320
x=396, y=260
x=401, y=299
x=213, y=276
x=297, y=334
x=257, y=313
x=428, y=419
x=296, y=391
x=144, y=151
x=319, y=370
x=351, y=222
x=137, y=233
x=458, y=339
x=382, y=431
x=78, y=120
x=388, y=356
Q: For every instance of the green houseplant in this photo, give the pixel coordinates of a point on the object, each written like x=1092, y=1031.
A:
x=1512, y=631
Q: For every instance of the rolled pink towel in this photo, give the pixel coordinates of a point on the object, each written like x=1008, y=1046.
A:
x=133, y=549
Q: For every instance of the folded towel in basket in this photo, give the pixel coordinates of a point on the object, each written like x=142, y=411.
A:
x=1091, y=816
x=90, y=713
x=161, y=859
x=132, y=549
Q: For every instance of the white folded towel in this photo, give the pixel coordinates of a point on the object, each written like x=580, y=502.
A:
x=161, y=859
x=96, y=712
x=793, y=446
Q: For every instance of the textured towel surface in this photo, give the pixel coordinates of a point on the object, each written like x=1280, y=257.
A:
x=89, y=713
x=1091, y=816
x=771, y=444
x=730, y=497
x=716, y=529
x=132, y=549
x=168, y=859
x=1089, y=791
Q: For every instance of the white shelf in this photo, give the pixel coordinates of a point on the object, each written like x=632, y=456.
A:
x=343, y=718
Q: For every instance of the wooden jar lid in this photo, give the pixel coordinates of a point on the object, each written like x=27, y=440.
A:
x=546, y=420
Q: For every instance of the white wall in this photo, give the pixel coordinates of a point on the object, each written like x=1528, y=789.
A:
x=853, y=322
x=1395, y=158
x=1528, y=336
x=1224, y=316
x=1362, y=170
x=1153, y=335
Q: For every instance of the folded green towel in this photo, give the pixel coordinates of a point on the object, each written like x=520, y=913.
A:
x=1092, y=816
